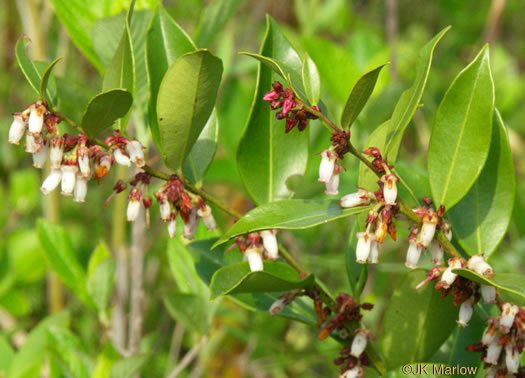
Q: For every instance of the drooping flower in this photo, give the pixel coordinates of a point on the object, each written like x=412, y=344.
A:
x=488, y=293
x=17, y=129
x=359, y=343
x=136, y=153
x=332, y=186
x=69, y=178
x=465, y=313
x=493, y=351
x=364, y=245
x=190, y=227
x=254, y=256
x=80, y=192
x=36, y=119
x=172, y=225
x=134, y=203
x=56, y=152
x=102, y=166
x=270, y=244
x=490, y=332
x=361, y=197
x=39, y=158
x=413, y=254
x=512, y=358
x=121, y=158
x=448, y=278
x=428, y=228
x=506, y=318
x=373, y=258
x=326, y=168
x=207, y=217
x=478, y=264
x=390, y=188
x=51, y=181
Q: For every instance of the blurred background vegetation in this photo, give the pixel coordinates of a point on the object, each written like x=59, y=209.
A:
x=345, y=39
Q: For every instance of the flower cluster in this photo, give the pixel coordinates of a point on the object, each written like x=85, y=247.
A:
x=291, y=108
x=330, y=161
x=258, y=246
x=504, y=333
x=175, y=200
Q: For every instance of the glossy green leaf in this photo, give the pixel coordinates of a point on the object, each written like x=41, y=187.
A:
x=104, y=109
x=105, y=360
x=61, y=257
x=165, y=42
x=359, y=96
x=203, y=151
x=207, y=262
x=100, y=254
x=311, y=80
x=416, y=322
x=409, y=100
x=128, y=367
x=270, y=63
x=26, y=65
x=78, y=16
x=461, y=135
x=480, y=220
x=188, y=309
x=213, y=19
x=67, y=348
x=353, y=269
x=266, y=156
x=182, y=268
x=44, y=90
x=276, y=277
x=100, y=285
x=120, y=73
x=290, y=215
x=186, y=98
x=27, y=361
x=511, y=286
x=6, y=356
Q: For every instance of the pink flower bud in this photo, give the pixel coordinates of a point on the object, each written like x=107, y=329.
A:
x=364, y=244
x=326, y=168
x=288, y=104
x=477, y=264
x=57, y=153
x=436, y=252
x=136, y=153
x=465, y=313
x=207, y=217
x=254, y=257
x=80, y=192
x=493, y=352
x=355, y=199
x=17, y=129
x=332, y=186
x=36, y=120
x=359, y=343
x=69, y=178
x=39, y=158
x=270, y=244
x=488, y=293
x=512, y=358
x=271, y=96
x=506, y=318
x=390, y=188
x=51, y=181
x=121, y=158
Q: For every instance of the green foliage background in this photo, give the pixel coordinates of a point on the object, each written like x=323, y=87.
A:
x=344, y=39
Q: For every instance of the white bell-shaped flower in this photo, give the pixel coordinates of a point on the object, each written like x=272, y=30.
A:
x=355, y=199
x=390, y=188
x=373, y=258
x=207, y=217
x=364, y=245
x=332, y=186
x=277, y=307
x=190, y=228
x=359, y=343
x=488, y=293
x=465, y=313
x=121, y=158
x=490, y=333
x=326, y=168
x=134, y=204
x=478, y=264
x=506, y=318
x=493, y=352
x=56, y=152
x=172, y=228
x=136, y=153
x=51, y=181
x=428, y=230
x=83, y=165
x=413, y=254
x=355, y=372
x=17, y=129
x=69, y=178
x=512, y=358
x=39, y=158
x=165, y=210
x=36, y=120
x=80, y=192
x=448, y=278
x=254, y=257
x=270, y=244
x=33, y=143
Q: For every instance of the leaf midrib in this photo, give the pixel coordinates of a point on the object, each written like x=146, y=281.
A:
x=460, y=138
